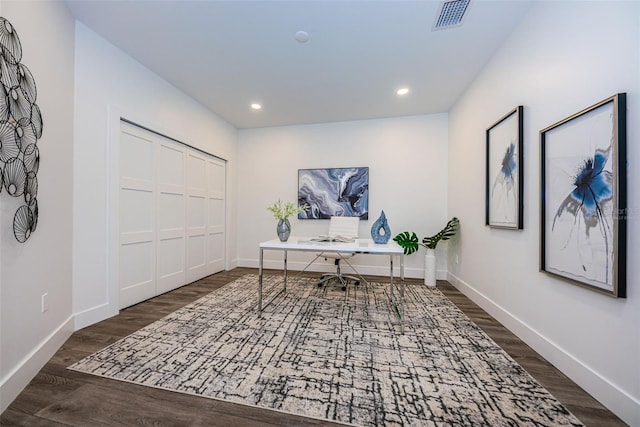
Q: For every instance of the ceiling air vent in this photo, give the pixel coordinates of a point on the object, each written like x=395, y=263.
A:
x=451, y=14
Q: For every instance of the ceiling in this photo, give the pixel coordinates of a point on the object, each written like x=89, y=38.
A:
x=229, y=54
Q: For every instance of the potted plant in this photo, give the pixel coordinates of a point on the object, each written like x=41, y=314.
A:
x=410, y=244
x=282, y=211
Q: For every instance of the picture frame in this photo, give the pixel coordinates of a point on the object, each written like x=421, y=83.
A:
x=583, y=197
x=334, y=192
x=504, y=171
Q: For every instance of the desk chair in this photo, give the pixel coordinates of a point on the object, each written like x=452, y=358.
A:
x=343, y=226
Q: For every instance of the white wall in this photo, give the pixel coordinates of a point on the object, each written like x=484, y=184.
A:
x=110, y=85
x=28, y=337
x=563, y=58
x=407, y=160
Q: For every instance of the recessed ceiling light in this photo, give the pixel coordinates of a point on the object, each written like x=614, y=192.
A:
x=256, y=106
x=302, y=36
x=403, y=91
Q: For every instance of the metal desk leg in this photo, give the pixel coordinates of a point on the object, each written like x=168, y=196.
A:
x=260, y=282
x=393, y=297
x=402, y=292
x=398, y=301
x=285, y=271
x=261, y=303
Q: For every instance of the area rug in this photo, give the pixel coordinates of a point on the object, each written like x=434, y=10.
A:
x=334, y=355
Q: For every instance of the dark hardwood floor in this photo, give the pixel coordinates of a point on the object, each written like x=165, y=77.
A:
x=59, y=397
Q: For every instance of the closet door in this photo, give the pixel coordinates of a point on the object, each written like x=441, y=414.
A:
x=216, y=219
x=196, y=216
x=171, y=212
x=171, y=199
x=137, y=217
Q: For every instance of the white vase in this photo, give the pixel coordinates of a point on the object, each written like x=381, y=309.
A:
x=430, y=267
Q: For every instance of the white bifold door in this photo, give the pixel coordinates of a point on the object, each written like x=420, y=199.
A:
x=172, y=214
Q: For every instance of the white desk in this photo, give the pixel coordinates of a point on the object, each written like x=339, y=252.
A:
x=360, y=246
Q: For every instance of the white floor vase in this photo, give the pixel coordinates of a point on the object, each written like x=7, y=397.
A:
x=430, y=268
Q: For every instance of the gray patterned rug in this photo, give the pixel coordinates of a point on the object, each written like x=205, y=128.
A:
x=327, y=355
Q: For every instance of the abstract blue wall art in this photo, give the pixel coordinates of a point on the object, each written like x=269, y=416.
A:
x=504, y=181
x=334, y=192
x=583, y=195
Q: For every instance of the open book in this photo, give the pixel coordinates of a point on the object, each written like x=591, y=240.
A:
x=338, y=238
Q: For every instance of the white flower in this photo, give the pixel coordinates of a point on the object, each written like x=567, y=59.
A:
x=282, y=210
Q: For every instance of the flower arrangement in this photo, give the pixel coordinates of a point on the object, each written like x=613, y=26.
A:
x=283, y=210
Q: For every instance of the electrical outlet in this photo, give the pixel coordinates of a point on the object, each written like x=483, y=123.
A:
x=45, y=302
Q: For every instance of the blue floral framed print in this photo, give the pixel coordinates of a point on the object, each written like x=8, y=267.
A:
x=504, y=178
x=583, y=203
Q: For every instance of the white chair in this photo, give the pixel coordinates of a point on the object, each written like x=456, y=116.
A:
x=342, y=226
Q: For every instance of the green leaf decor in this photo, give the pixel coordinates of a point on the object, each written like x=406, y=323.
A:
x=409, y=240
x=446, y=233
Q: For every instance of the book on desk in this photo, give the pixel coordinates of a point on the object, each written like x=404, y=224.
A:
x=341, y=239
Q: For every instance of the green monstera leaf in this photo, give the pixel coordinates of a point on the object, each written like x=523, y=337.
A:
x=408, y=242
x=446, y=233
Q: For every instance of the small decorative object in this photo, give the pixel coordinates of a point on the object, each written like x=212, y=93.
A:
x=20, y=129
x=283, y=229
x=380, y=231
x=584, y=202
x=282, y=211
x=504, y=180
x=334, y=192
x=410, y=244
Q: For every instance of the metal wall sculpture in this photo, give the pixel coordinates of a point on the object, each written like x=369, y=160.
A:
x=20, y=129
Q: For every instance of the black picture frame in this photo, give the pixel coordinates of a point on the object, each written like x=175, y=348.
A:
x=504, y=205
x=584, y=197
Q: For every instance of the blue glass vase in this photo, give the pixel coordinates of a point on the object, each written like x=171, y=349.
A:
x=380, y=231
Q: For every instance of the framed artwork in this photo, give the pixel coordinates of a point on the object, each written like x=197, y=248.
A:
x=334, y=192
x=504, y=180
x=583, y=197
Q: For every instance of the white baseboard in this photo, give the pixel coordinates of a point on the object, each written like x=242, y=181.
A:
x=94, y=315
x=615, y=399
x=20, y=377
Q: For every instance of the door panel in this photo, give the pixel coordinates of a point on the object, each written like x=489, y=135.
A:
x=216, y=215
x=136, y=210
x=196, y=216
x=196, y=258
x=171, y=272
x=137, y=217
x=137, y=275
x=171, y=212
x=136, y=155
x=216, y=249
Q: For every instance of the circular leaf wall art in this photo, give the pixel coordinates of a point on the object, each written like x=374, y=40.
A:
x=20, y=129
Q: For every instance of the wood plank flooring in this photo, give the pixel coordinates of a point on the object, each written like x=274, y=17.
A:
x=59, y=397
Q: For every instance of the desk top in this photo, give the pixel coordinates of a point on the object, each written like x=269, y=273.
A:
x=363, y=246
